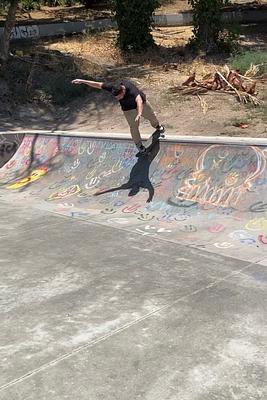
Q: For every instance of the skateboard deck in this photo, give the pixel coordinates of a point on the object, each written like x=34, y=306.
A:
x=150, y=142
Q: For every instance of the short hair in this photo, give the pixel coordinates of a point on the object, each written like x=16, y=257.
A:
x=116, y=90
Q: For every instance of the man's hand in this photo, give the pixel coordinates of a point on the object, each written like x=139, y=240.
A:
x=77, y=81
x=137, y=118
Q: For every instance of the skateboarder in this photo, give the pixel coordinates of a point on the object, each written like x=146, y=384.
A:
x=133, y=103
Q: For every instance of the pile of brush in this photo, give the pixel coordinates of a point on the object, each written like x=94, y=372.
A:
x=225, y=81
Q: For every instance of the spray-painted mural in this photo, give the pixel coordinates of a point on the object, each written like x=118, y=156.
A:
x=209, y=196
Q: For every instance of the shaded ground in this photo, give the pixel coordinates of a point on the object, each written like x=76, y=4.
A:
x=96, y=57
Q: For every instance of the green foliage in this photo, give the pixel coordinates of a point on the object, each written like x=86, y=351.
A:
x=4, y=5
x=244, y=60
x=36, y=4
x=30, y=4
x=210, y=35
x=67, y=3
x=134, y=18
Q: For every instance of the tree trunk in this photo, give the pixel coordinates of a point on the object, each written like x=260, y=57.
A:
x=9, y=25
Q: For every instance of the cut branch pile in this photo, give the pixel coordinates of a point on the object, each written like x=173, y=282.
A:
x=226, y=81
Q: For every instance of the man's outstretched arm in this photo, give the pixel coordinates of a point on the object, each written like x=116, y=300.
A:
x=93, y=84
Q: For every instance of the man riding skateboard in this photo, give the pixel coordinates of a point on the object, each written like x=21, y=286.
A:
x=133, y=103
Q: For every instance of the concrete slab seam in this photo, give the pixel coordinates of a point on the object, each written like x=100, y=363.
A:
x=117, y=331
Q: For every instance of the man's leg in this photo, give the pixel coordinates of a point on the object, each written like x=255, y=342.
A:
x=149, y=114
x=134, y=127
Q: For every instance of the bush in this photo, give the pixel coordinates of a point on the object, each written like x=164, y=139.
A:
x=30, y=4
x=134, y=18
x=210, y=35
x=243, y=61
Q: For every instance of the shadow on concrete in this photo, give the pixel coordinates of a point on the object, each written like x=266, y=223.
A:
x=139, y=176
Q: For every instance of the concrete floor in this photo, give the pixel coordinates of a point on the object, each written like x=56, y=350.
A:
x=92, y=312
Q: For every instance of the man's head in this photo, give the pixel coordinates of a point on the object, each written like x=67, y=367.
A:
x=118, y=91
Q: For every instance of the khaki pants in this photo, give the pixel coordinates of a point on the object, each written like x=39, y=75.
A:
x=148, y=114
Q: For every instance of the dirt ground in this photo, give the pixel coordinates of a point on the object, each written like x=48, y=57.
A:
x=174, y=6
x=182, y=115
x=79, y=12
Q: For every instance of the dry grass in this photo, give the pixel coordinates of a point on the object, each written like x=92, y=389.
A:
x=61, y=13
x=98, y=56
x=100, y=49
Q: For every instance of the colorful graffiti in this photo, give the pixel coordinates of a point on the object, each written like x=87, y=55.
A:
x=209, y=196
x=64, y=193
x=34, y=176
x=222, y=175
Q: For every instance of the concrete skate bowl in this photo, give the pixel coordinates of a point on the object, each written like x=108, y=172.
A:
x=210, y=196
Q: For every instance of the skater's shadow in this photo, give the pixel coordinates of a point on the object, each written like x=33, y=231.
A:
x=139, y=176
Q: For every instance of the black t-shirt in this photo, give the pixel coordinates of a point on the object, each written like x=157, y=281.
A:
x=128, y=102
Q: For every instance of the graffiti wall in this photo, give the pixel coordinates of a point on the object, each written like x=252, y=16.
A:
x=25, y=32
x=209, y=196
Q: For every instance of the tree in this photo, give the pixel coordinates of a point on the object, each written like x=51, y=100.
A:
x=134, y=19
x=9, y=25
x=208, y=25
x=89, y=3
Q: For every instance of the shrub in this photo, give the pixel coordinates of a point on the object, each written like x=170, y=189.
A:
x=244, y=60
x=134, y=18
x=30, y=4
x=210, y=35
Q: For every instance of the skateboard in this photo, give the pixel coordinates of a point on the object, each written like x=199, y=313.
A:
x=150, y=142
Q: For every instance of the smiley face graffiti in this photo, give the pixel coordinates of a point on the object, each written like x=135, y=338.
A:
x=34, y=176
x=64, y=193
